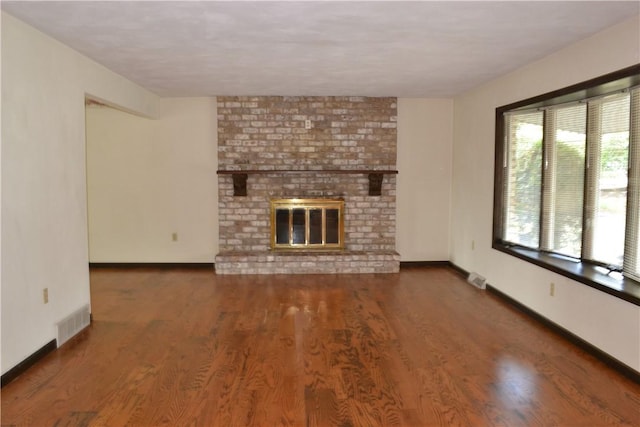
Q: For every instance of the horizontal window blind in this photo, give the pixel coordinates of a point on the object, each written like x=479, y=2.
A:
x=523, y=178
x=609, y=140
x=564, y=147
x=632, y=239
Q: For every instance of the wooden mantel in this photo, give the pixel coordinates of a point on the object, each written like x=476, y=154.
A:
x=240, y=176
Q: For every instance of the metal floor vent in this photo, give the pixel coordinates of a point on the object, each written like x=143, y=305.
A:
x=72, y=324
x=477, y=280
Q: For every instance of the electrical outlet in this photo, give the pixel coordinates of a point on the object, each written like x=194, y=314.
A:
x=45, y=295
x=307, y=124
x=174, y=237
x=552, y=289
x=473, y=245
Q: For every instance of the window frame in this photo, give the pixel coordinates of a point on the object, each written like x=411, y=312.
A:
x=583, y=271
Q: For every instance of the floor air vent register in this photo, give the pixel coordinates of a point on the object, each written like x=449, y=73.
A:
x=72, y=324
x=477, y=280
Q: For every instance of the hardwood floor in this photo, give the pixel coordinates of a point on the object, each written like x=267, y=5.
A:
x=184, y=347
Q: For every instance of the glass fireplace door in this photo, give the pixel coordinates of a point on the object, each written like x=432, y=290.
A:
x=307, y=224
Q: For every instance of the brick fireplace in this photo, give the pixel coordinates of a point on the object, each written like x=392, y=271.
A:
x=273, y=147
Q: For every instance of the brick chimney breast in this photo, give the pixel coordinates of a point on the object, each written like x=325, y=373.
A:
x=274, y=134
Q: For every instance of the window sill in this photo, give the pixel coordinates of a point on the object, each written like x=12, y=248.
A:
x=625, y=288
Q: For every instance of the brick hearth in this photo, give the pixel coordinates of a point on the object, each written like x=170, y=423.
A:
x=307, y=262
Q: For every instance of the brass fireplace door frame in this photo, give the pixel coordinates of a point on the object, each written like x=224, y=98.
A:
x=307, y=205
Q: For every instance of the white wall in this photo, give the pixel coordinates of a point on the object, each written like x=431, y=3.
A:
x=425, y=135
x=148, y=179
x=607, y=322
x=44, y=204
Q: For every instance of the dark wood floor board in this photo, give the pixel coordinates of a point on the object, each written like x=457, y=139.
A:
x=184, y=347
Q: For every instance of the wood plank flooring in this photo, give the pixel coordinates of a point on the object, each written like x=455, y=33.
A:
x=184, y=347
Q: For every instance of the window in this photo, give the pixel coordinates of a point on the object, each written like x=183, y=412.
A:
x=567, y=179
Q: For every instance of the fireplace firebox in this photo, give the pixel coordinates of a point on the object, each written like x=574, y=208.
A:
x=306, y=224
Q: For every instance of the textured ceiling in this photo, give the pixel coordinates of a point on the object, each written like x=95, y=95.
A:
x=407, y=49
